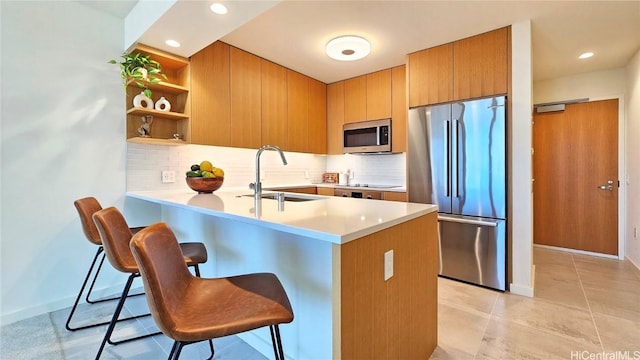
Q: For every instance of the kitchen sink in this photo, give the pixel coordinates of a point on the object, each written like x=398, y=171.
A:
x=287, y=197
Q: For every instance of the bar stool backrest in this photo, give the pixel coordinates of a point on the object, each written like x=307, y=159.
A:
x=86, y=207
x=116, y=235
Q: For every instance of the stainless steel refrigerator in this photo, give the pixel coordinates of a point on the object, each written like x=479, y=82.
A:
x=457, y=160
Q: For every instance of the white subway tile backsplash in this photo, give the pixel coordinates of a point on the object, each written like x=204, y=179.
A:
x=146, y=162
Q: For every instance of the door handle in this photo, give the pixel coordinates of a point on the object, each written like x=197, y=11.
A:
x=609, y=186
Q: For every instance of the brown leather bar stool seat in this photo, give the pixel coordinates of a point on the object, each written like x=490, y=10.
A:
x=189, y=309
x=115, y=236
x=86, y=207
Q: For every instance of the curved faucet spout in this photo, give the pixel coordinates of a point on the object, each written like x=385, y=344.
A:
x=257, y=186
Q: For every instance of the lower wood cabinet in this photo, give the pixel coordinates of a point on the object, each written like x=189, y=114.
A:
x=395, y=196
x=325, y=191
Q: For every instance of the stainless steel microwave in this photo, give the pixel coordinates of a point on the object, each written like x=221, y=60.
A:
x=367, y=137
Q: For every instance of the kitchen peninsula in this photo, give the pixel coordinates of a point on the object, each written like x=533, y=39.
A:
x=361, y=283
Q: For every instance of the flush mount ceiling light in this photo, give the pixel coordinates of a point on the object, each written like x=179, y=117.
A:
x=218, y=8
x=172, y=43
x=348, y=48
x=585, y=55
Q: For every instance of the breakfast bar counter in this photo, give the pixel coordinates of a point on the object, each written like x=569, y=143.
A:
x=361, y=275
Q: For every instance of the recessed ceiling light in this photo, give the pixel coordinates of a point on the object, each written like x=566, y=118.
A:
x=219, y=8
x=585, y=55
x=348, y=48
x=172, y=43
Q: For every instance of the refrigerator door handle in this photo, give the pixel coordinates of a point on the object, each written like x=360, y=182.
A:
x=454, y=161
x=447, y=157
x=487, y=223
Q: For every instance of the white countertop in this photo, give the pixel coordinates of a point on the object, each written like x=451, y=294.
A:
x=338, y=186
x=334, y=219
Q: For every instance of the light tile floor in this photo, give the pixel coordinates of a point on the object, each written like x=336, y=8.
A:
x=584, y=306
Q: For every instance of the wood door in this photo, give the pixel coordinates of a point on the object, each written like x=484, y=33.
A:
x=317, y=117
x=298, y=111
x=274, y=104
x=335, y=117
x=431, y=76
x=379, y=95
x=576, y=152
x=246, y=100
x=355, y=99
x=480, y=65
x=399, y=109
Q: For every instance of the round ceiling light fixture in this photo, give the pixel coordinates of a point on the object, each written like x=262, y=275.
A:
x=348, y=48
x=218, y=8
x=585, y=55
x=172, y=43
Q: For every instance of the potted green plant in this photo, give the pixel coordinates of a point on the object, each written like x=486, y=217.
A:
x=140, y=68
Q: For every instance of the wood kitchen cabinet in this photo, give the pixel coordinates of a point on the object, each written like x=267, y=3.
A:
x=246, y=99
x=395, y=196
x=378, y=97
x=399, y=109
x=274, y=104
x=355, y=99
x=325, y=191
x=335, y=117
x=317, y=117
x=174, y=89
x=431, y=75
x=210, y=106
x=480, y=65
x=298, y=111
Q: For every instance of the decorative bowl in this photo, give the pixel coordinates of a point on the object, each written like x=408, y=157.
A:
x=204, y=185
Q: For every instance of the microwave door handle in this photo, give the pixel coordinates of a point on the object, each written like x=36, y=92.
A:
x=378, y=142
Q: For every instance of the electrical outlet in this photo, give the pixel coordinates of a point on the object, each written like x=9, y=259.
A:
x=306, y=174
x=168, y=176
x=635, y=232
x=388, y=265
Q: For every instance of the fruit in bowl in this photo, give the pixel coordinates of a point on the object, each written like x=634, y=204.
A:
x=204, y=177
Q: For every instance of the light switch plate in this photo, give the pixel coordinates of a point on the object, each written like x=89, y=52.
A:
x=388, y=265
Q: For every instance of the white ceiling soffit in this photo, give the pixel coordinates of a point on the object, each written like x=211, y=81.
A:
x=294, y=33
x=195, y=26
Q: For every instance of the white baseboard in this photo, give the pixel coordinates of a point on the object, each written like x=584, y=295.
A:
x=579, y=252
x=55, y=305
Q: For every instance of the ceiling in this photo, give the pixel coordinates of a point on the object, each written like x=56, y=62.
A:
x=294, y=33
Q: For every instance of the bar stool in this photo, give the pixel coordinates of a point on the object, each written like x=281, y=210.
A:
x=115, y=235
x=189, y=309
x=86, y=207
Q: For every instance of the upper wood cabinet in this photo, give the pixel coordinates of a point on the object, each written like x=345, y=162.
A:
x=378, y=97
x=470, y=68
x=355, y=99
x=211, y=110
x=480, y=66
x=317, y=117
x=431, y=75
x=246, y=99
x=335, y=117
x=298, y=111
x=274, y=104
x=399, y=109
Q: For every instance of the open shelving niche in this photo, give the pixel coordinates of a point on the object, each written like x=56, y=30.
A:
x=175, y=89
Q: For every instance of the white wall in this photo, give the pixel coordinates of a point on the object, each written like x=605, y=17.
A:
x=633, y=154
x=521, y=198
x=62, y=131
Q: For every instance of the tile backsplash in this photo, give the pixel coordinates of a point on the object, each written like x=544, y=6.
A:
x=145, y=164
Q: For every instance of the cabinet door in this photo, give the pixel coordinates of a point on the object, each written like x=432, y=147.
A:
x=355, y=99
x=210, y=104
x=325, y=191
x=481, y=65
x=395, y=196
x=298, y=111
x=379, y=95
x=317, y=117
x=274, y=104
x=246, y=109
x=431, y=76
x=399, y=109
x=335, y=117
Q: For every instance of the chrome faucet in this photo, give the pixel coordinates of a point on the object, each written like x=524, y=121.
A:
x=257, y=186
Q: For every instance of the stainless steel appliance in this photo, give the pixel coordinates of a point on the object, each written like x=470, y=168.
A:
x=457, y=160
x=367, y=136
x=367, y=194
